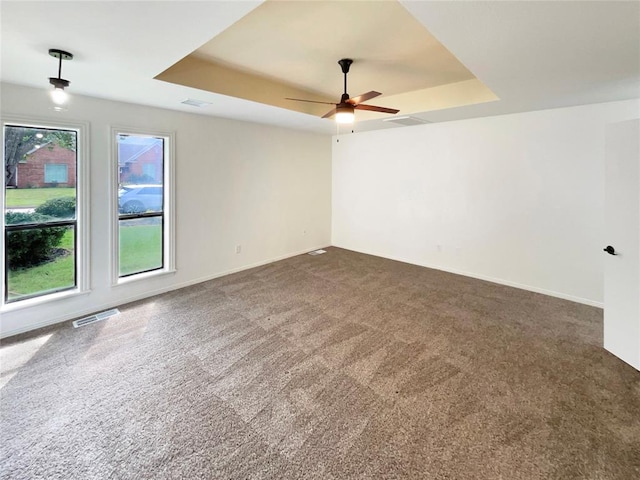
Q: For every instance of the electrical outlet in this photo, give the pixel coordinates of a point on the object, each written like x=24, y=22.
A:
x=238, y=248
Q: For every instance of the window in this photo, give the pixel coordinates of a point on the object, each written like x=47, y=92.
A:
x=143, y=239
x=41, y=224
x=55, y=173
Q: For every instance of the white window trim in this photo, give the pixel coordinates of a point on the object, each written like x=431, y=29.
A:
x=82, y=210
x=169, y=205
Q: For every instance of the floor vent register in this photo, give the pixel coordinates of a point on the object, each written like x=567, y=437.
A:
x=96, y=317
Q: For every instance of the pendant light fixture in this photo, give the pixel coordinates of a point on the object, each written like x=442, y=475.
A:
x=58, y=95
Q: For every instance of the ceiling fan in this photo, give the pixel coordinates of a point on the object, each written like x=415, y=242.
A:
x=344, y=110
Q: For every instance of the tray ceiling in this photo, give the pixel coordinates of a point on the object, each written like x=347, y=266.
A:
x=291, y=49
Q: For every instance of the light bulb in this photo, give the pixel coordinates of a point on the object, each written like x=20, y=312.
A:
x=344, y=117
x=59, y=96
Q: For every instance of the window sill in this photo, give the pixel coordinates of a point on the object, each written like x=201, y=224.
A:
x=143, y=276
x=44, y=299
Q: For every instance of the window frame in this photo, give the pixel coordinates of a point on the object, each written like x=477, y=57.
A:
x=81, y=250
x=168, y=215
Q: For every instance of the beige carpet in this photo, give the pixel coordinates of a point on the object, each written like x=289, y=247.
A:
x=339, y=366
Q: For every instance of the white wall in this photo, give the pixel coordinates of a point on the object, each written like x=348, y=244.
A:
x=516, y=199
x=265, y=188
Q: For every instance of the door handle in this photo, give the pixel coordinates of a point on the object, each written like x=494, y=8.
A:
x=610, y=250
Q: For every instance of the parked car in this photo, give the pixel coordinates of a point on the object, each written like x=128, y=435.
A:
x=140, y=198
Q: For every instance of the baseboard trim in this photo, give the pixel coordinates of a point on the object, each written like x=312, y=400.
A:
x=499, y=281
x=151, y=293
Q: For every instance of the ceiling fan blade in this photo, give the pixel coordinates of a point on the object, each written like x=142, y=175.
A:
x=373, y=108
x=330, y=113
x=309, y=101
x=363, y=98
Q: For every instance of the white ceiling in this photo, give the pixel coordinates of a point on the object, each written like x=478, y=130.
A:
x=532, y=55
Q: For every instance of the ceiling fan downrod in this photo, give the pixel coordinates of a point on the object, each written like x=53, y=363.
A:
x=345, y=63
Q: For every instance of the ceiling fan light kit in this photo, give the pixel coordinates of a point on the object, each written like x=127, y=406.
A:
x=344, y=110
x=58, y=95
x=344, y=114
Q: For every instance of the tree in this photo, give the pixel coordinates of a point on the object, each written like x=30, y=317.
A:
x=18, y=141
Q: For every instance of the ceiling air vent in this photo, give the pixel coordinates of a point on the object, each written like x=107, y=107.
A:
x=406, y=121
x=195, y=103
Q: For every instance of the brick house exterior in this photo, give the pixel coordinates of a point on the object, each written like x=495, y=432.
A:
x=141, y=162
x=48, y=166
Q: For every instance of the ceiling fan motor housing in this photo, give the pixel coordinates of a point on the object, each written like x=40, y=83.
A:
x=345, y=108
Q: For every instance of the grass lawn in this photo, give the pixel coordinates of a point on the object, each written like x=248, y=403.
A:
x=32, y=197
x=54, y=275
x=140, y=250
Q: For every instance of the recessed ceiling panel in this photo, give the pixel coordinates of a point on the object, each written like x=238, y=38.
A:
x=291, y=49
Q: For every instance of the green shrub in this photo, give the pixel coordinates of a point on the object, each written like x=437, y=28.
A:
x=61, y=207
x=30, y=247
x=134, y=179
